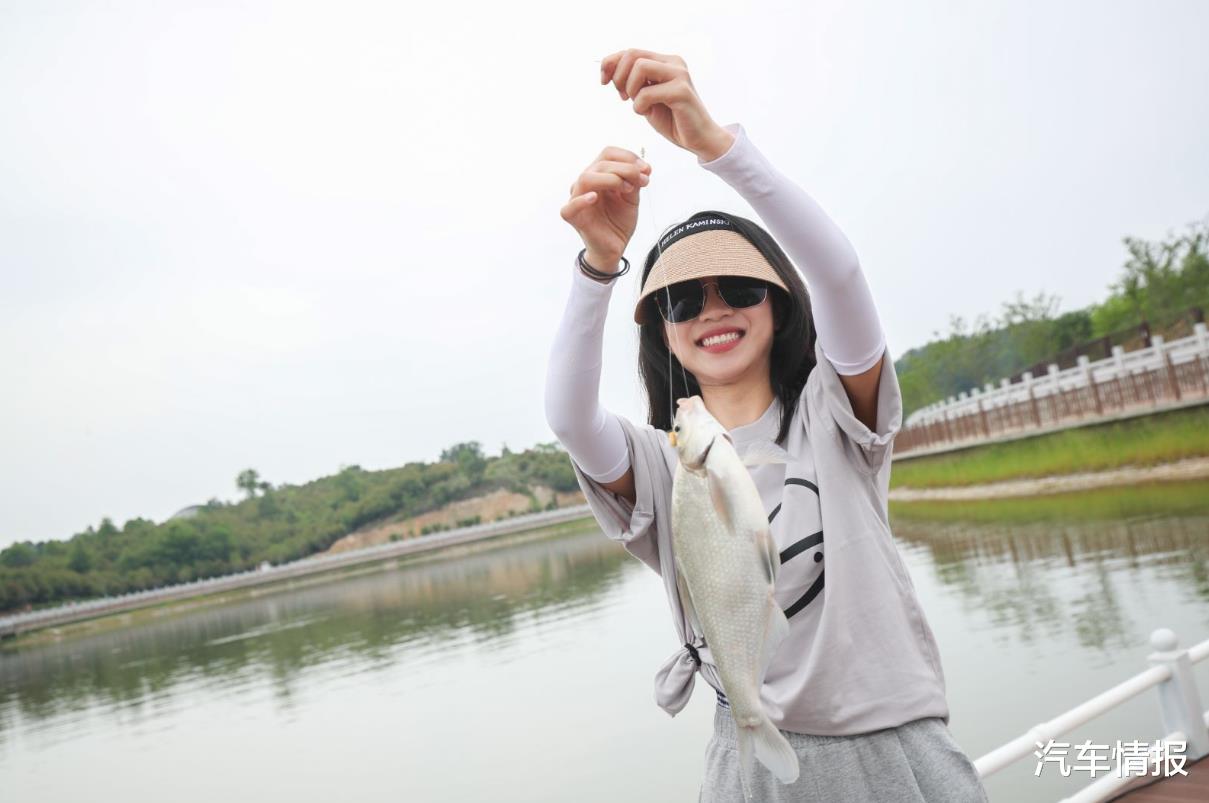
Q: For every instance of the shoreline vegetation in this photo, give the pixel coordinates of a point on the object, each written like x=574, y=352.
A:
x=1167, y=497
x=270, y=584
x=277, y=524
x=1147, y=466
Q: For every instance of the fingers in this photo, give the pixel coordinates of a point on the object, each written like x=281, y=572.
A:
x=608, y=177
x=630, y=171
x=649, y=71
x=617, y=171
x=625, y=166
x=668, y=93
x=615, y=154
x=576, y=205
x=616, y=67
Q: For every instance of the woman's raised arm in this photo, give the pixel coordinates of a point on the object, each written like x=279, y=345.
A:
x=591, y=434
x=845, y=317
x=603, y=209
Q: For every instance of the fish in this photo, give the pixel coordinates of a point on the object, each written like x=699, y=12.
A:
x=726, y=566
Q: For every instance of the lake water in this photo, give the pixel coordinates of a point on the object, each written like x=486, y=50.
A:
x=524, y=672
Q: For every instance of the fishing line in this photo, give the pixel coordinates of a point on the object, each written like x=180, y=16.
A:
x=671, y=391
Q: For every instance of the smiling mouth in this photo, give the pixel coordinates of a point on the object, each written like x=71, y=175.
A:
x=722, y=341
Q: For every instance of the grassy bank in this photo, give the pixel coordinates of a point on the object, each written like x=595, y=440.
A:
x=1144, y=441
x=1189, y=498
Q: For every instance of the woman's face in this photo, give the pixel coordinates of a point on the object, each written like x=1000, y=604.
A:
x=723, y=345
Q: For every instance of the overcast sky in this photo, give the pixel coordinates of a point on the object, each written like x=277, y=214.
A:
x=294, y=237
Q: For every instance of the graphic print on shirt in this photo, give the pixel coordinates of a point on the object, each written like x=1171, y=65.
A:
x=800, y=576
x=806, y=551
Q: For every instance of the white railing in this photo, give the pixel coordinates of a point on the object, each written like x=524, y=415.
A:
x=1183, y=715
x=1121, y=364
x=74, y=611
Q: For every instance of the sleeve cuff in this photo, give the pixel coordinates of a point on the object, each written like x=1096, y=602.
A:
x=860, y=367
x=874, y=446
x=742, y=166
x=586, y=284
x=634, y=525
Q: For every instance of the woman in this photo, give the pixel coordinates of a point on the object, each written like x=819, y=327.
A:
x=857, y=686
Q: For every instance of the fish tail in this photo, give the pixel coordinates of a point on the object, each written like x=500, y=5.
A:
x=746, y=760
x=766, y=743
x=774, y=751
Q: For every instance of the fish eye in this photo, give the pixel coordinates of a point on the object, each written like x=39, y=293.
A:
x=676, y=428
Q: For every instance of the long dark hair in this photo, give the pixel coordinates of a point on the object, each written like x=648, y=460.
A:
x=792, y=357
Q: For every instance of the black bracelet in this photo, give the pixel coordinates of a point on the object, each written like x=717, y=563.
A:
x=599, y=275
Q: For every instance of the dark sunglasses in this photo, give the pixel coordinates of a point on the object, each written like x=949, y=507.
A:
x=684, y=301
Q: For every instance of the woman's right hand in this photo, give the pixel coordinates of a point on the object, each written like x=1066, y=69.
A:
x=603, y=207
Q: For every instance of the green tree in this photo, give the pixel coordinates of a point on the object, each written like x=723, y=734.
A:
x=468, y=457
x=79, y=561
x=18, y=555
x=248, y=481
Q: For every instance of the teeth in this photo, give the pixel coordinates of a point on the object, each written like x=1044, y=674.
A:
x=716, y=339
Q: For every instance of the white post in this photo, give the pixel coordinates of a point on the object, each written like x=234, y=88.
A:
x=1084, y=364
x=1118, y=359
x=1202, y=336
x=1089, y=382
x=1179, y=700
x=1051, y=371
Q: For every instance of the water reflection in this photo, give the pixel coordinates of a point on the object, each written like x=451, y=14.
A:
x=1019, y=559
x=373, y=619
x=1036, y=604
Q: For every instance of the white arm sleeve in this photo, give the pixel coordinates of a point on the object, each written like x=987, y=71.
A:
x=591, y=434
x=845, y=318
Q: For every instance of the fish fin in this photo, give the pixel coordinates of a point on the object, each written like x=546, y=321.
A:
x=774, y=751
x=686, y=602
x=717, y=495
x=776, y=628
x=764, y=452
x=746, y=757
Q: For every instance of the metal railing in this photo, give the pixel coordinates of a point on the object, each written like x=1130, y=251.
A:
x=1167, y=374
x=1183, y=715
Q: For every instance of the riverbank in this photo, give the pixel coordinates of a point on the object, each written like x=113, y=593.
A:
x=1132, y=502
x=1195, y=468
x=1135, y=445
x=55, y=623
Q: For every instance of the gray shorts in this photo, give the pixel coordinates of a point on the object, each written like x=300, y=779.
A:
x=916, y=762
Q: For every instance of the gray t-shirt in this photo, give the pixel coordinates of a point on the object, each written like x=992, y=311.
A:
x=860, y=655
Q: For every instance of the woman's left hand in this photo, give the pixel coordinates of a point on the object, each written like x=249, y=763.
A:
x=663, y=93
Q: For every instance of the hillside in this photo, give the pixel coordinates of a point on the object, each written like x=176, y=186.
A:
x=498, y=504
x=281, y=523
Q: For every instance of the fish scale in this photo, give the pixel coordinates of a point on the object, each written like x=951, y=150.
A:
x=709, y=555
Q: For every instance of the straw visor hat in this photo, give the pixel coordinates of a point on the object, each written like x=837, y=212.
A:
x=709, y=246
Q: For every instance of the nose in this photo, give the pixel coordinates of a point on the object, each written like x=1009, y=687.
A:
x=714, y=305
